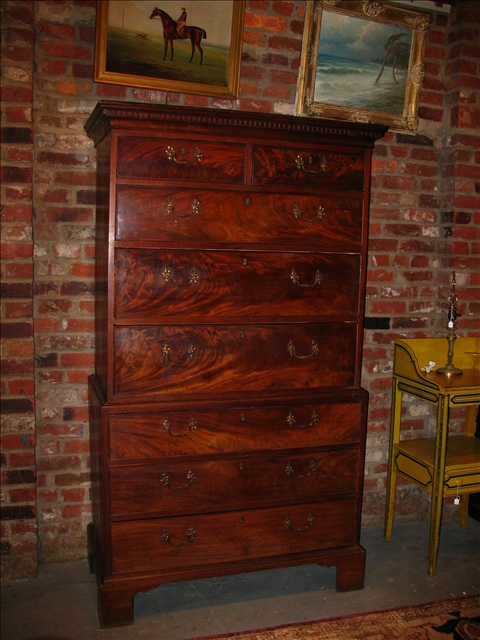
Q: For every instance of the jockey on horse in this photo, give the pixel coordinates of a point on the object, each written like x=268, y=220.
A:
x=181, y=22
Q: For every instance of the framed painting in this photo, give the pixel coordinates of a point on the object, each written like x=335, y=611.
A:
x=362, y=60
x=187, y=46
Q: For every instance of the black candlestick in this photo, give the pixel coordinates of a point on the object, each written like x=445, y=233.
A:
x=450, y=369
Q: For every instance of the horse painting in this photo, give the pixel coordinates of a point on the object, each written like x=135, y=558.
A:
x=170, y=33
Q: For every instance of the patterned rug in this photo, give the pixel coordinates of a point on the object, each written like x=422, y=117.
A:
x=456, y=619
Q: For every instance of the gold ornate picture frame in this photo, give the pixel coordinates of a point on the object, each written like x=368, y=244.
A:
x=362, y=61
x=149, y=44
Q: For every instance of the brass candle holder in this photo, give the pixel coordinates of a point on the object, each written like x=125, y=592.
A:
x=450, y=369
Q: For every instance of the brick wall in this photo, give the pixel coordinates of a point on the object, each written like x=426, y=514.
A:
x=18, y=473
x=424, y=223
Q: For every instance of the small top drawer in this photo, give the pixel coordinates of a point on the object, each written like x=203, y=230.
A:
x=322, y=168
x=181, y=159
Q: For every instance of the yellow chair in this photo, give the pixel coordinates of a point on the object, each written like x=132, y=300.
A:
x=444, y=465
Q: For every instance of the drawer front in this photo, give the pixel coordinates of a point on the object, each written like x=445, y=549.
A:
x=178, y=159
x=233, y=358
x=153, y=284
x=183, y=215
x=199, y=485
x=195, y=541
x=323, y=169
x=147, y=436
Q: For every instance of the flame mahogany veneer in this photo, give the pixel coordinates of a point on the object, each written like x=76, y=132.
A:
x=226, y=416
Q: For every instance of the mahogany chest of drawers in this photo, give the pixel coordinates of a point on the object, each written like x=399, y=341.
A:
x=226, y=415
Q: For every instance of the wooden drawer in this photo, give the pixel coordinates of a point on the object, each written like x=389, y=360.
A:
x=215, y=485
x=324, y=169
x=200, y=359
x=151, y=435
x=181, y=159
x=153, y=284
x=201, y=215
x=194, y=541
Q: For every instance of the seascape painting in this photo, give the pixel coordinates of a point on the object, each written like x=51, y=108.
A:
x=179, y=45
x=362, y=61
x=362, y=64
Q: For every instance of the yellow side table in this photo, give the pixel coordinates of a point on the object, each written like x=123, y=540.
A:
x=444, y=465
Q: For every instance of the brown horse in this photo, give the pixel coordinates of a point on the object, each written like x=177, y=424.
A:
x=170, y=33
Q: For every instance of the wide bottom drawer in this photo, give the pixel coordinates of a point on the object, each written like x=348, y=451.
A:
x=167, y=544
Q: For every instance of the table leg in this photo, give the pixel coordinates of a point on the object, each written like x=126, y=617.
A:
x=443, y=411
x=395, y=418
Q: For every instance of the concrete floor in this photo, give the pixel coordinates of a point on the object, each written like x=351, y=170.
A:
x=61, y=603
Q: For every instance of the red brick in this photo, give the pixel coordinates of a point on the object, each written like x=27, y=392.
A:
x=277, y=92
x=55, y=30
x=466, y=117
x=384, y=166
x=196, y=101
x=284, y=77
x=284, y=44
x=19, y=114
x=258, y=5
x=265, y=22
x=22, y=459
x=255, y=105
x=76, y=178
x=15, y=192
x=435, y=115
x=54, y=67
x=17, y=442
x=51, y=158
x=111, y=91
x=21, y=387
x=23, y=495
x=252, y=72
x=284, y=8
x=16, y=94
x=73, y=495
x=254, y=38
x=68, y=214
x=435, y=53
x=77, y=446
x=394, y=182
x=18, y=54
x=380, y=275
x=76, y=360
x=249, y=88
x=70, y=51
x=388, y=307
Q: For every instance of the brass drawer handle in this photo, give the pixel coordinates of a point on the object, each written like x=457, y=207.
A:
x=301, y=165
x=190, y=537
x=188, y=356
x=170, y=153
x=192, y=425
x=297, y=212
x=165, y=480
x=292, y=350
x=288, y=523
x=293, y=423
x=170, y=207
x=312, y=470
x=296, y=280
x=169, y=277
